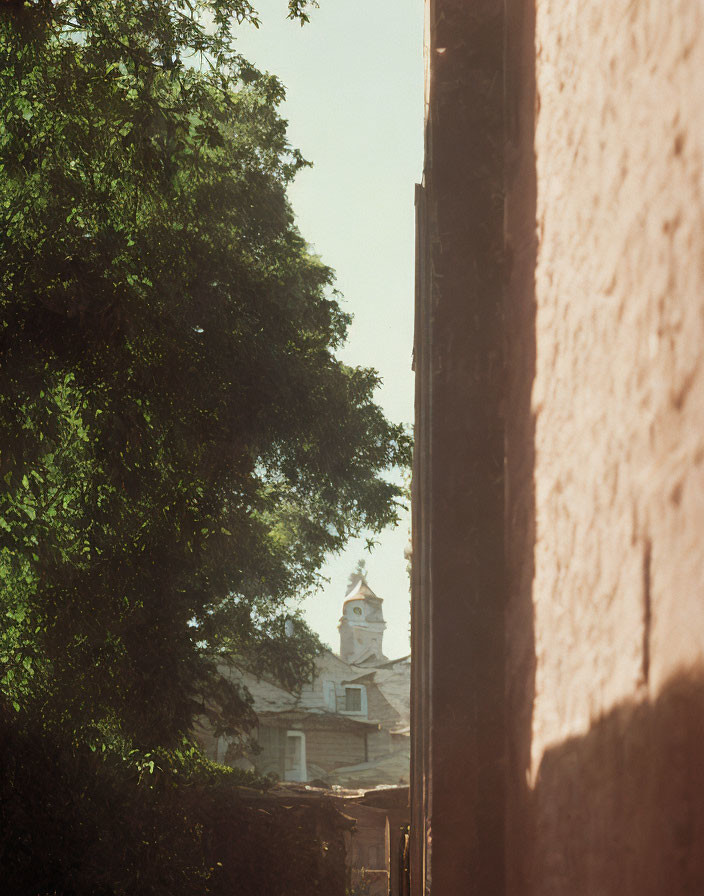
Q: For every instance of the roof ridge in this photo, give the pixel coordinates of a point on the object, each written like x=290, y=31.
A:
x=360, y=586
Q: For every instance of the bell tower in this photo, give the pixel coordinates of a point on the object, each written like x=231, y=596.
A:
x=361, y=624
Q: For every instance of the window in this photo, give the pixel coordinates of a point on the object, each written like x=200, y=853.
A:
x=356, y=699
x=353, y=700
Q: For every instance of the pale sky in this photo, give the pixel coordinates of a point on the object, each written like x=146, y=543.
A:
x=354, y=80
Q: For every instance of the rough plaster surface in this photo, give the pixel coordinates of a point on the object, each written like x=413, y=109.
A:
x=618, y=392
x=606, y=308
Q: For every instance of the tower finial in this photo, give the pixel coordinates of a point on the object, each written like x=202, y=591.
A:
x=360, y=572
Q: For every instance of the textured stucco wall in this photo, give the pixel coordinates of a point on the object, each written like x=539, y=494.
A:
x=605, y=446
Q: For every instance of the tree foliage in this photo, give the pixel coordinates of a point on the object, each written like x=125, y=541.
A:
x=97, y=823
x=179, y=445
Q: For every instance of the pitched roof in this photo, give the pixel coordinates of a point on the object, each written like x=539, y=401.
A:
x=359, y=588
x=312, y=720
x=401, y=659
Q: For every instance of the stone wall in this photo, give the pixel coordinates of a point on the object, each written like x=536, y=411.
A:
x=605, y=509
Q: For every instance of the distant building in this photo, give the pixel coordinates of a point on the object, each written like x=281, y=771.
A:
x=361, y=625
x=349, y=725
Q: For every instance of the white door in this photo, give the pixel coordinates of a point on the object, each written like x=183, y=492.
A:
x=295, y=758
x=329, y=695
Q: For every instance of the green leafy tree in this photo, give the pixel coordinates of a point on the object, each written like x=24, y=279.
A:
x=179, y=445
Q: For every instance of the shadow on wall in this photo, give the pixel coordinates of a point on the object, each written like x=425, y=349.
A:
x=621, y=810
